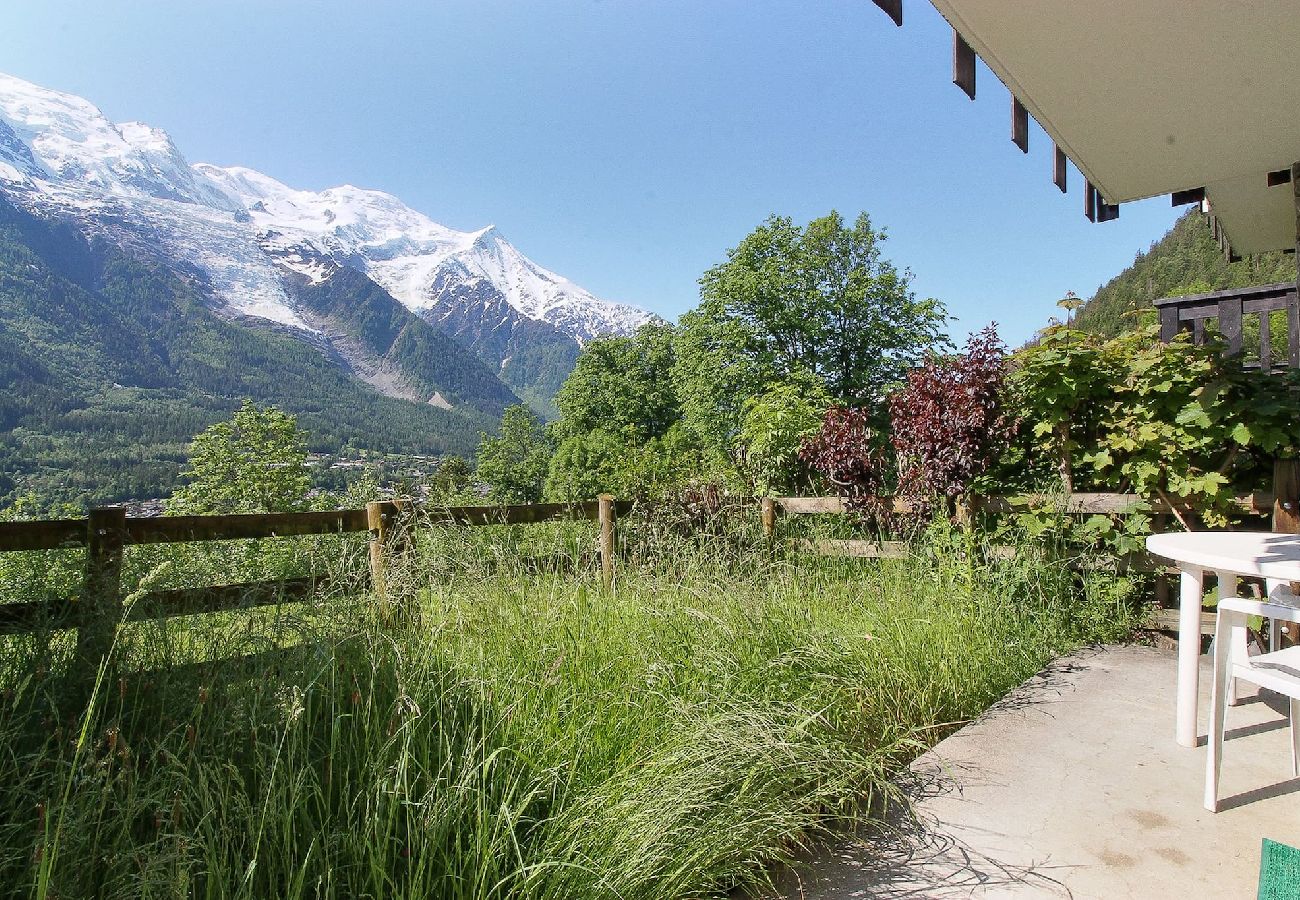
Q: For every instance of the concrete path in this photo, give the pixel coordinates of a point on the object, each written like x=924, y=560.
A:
x=1073, y=786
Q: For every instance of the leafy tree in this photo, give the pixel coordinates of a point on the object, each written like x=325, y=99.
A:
x=621, y=385
x=254, y=462
x=513, y=464
x=715, y=370
x=775, y=425
x=586, y=465
x=615, y=405
x=821, y=299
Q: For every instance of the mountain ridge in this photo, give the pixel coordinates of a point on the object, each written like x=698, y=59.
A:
x=246, y=237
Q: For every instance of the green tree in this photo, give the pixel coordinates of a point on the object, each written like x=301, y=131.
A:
x=775, y=425
x=621, y=385
x=513, y=464
x=822, y=299
x=256, y=461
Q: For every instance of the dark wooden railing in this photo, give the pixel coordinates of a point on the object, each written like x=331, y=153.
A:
x=1229, y=308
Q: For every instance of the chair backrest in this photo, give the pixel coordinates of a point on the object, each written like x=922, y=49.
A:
x=1266, y=608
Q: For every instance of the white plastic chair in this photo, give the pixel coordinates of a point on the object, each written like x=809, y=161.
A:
x=1277, y=671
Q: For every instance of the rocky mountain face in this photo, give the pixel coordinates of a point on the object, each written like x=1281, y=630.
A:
x=353, y=272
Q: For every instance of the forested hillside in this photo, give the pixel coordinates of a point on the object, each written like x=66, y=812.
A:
x=109, y=366
x=1184, y=261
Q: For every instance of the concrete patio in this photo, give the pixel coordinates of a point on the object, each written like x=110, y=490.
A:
x=1073, y=786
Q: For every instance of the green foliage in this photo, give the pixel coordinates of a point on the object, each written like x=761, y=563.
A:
x=1172, y=420
x=822, y=299
x=775, y=426
x=255, y=462
x=513, y=464
x=622, y=386
x=1184, y=261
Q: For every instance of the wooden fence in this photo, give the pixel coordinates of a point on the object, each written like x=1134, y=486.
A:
x=1259, y=503
x=98, y=608
x=96, y=611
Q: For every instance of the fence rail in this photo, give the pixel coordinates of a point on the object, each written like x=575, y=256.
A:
x=97, y=610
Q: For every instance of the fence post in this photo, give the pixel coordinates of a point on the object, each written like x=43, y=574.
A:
x=767, y=507
x=606, y=513
x=388, y=538
x=101, y=589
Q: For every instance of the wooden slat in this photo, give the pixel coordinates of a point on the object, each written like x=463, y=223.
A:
x=1293, y=330
x=1168, y=324
x=174, y=529
x=1059, y=168
x=513, y=515
x=1089, y=201
x=248, y=595
x=1279, y=178
x=1198, y=332
x=1265, y=343
x=1259, y=503
x=794, y=506
x=1106, y=212
x=963, y=64
x=46, y=534
x=892, y=8
x=857, y=549
x=33, y=615
x=1167, y=620
x=797, y=506
x=1183, y=198
x=1019, y=124
x=1230, y=324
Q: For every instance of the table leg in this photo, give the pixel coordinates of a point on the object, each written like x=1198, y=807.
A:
x=1189, y=654
x=1229, y=585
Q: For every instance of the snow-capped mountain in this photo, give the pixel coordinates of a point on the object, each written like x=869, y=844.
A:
x=408, y=253
x=241, y=234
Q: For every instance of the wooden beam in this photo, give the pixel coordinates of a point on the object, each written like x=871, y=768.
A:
x=1169, y=323
x=175, y=529
x=1019, y=124
x=1230, y=325
x=1090, y=201
x=1106, y=212
x=892, y=8
x=963, y=64
x=1280, y=177
x=1265, y=344
x=1058, y=167
x=48, y=534
x=1183, y=198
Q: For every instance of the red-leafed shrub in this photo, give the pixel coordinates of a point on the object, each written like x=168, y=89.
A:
x=949, y=422
x=948, y=425
x=847, y=452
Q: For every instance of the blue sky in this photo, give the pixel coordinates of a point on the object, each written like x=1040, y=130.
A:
x=623, y=143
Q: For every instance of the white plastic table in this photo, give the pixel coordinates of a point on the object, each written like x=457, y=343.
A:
x=1229, y=554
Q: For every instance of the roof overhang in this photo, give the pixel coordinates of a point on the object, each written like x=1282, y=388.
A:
x=1159, y=96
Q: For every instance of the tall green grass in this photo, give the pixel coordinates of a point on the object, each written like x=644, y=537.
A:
x=510, y=729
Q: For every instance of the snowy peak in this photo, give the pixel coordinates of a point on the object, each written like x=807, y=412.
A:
x=241, y=230
x=409, y=254
x=69, y=139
